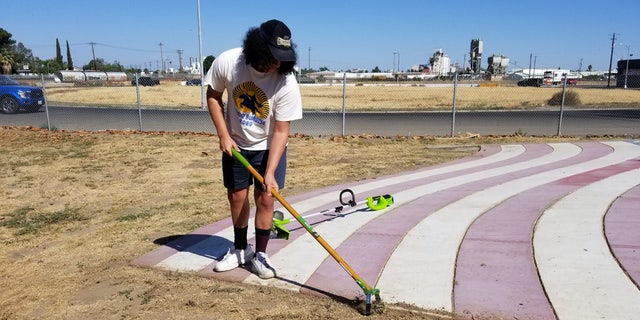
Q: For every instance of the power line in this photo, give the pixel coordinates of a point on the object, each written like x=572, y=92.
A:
x=114, y=47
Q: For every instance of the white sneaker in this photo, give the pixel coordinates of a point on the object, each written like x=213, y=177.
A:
x=262, y=266
x=233, y=259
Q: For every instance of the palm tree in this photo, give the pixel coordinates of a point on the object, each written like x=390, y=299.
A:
x=6, y=61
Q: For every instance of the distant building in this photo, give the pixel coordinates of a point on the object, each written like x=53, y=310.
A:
x=497, y=64
x=440, y=63
x=475, y=55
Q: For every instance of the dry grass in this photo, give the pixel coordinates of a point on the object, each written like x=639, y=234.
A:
x=359, y=98
x=77, y=207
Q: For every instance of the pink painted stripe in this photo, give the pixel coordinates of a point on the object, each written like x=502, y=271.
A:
x=622, y=225
x=235, y=275
x=395, y=224
x=496, y=276
x=484, y=152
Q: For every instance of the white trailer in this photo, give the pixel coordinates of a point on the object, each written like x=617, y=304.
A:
x=556, y=77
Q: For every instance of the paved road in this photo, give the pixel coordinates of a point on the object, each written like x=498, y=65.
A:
x=535, y=231
x=574, y=122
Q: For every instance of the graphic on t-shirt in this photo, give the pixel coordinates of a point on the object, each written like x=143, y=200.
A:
x=250, y=98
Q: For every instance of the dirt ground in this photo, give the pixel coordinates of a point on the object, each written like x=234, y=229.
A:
x=77, y=207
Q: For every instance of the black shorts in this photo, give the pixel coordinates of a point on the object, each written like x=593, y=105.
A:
x=236, y=176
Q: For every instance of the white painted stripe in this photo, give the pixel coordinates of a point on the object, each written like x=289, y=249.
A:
x=311, y=254
x=426, y=279
x=582, y=278
x=184, y=261
x=507, y=152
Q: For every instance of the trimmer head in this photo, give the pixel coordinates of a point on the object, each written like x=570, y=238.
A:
x=278, y=225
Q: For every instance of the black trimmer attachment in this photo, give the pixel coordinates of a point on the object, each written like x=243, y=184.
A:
x=375, y=203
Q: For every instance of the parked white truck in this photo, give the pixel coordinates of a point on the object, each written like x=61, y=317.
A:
x=556, y=77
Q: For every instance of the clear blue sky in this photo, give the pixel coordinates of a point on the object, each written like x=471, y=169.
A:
x=338, y=34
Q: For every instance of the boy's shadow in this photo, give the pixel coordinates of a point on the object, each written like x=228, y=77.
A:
x=210, y=246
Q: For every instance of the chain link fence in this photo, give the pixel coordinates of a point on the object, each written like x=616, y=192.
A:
x=341, y=106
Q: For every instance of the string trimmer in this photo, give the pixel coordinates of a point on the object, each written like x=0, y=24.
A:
x=368, y=290
x=373, y=203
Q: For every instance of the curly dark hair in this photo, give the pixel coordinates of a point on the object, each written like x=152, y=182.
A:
x=256, y=52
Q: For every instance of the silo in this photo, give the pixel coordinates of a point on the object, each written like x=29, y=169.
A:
x=475, y=54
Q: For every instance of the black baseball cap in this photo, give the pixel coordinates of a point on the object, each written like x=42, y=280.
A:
x=279, y=37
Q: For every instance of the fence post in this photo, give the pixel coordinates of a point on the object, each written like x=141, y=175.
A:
x=564, y=89
x=138, y=101
x=453, y=113
x=46, y=104
x=344, y=101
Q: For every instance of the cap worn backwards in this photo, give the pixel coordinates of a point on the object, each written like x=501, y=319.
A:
x=279, y=37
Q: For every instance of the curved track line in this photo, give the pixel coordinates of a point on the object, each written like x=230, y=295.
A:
x=582, y=279
x=507, y=152
x=622, y=223
x=496, y=276
x=438, y=237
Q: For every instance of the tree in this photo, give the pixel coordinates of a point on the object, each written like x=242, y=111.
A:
x=45, y=66
x=58, y=53
x=22, y=54
x=69, y=61
x=589, y=68
x=101, y=65
x=6, y=55
x=6, y=61
x=5, y=39
x=94, y=64
x=376, y=69
x=14, y=54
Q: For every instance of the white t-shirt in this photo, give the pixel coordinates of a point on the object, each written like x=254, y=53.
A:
x=255, y=99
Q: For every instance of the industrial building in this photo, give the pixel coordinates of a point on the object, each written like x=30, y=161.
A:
x=440, y=63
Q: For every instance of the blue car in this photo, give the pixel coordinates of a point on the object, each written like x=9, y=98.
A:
x=14, y=96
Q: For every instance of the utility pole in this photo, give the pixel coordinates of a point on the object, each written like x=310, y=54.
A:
x=613, y=42
x=393, y=66
x=626, y=72
x=200, y=60
x=180, y=60
x=161, y=57
x=580, y=66
x=93, y=51
x=530, y=57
